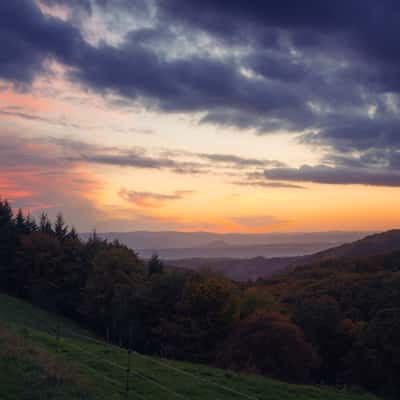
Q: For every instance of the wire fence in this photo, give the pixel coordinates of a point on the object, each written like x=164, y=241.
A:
x=128, y=370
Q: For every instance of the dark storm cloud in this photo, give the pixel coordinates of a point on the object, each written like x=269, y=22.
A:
x=84, y=4
x=371, y=26
x=230, y=19
x=315, y=68
x=133, y=71
x=28, y=38
x=186, y=84
x=200, y=83
x=358, y=133
x=279, y=12
x=275, y=66
x=183, y=85
x=108, y=5
x=362, y=35
x=361, y=142
x=336, y=175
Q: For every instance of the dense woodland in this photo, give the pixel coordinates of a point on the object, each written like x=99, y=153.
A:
x=335, y=322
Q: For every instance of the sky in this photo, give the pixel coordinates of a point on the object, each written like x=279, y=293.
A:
x=213, y=115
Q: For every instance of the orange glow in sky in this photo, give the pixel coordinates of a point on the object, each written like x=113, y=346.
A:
x=145, y=149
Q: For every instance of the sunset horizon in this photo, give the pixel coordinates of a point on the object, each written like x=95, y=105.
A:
x=136, y=116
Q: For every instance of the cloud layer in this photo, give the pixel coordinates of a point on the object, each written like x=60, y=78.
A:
x=150, y=199
x=336, y=175
x=326, y=72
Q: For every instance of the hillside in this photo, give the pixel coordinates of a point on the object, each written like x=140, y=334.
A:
x=350, y=309
x=379, y=243
x=260, y=267
x=238, y=269
x=85, y=368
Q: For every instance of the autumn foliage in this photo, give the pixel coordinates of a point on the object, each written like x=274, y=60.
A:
x=336, y=321
x=269, y=343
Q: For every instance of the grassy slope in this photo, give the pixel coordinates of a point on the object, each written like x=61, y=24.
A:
x=103, y=367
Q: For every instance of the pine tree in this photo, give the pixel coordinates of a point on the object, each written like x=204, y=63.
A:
x=94, y=236
x=8, y=247
x=6, y=214
x=72, y=234
x=20, y=223
x=155, y=265
x=45, y=224
x=60, y=228
x=31, y=225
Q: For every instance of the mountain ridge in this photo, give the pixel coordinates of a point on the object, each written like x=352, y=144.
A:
x=261, y=267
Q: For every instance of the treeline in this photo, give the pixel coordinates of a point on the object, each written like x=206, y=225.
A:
x=337, y=322
x=196, y=316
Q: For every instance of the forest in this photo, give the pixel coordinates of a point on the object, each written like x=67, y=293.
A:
x=333, y=322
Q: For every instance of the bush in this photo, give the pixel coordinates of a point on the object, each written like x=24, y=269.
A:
x=269, y=343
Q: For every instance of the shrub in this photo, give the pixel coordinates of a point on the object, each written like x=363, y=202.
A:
x=269, y=343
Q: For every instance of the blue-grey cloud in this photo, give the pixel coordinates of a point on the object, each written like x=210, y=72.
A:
x=336, y=175
x=238, y=161
x=318, y=68
x=29, y=38
x=84, y=4
x=173, y=160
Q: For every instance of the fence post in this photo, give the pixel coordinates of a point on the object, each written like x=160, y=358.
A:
x=58, y=329
x=25, y=336
x=128, y=368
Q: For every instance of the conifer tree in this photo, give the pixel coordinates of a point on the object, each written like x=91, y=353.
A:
x=6, y=214
x=8, y=246
x=31, y=224
x=155, y=265
x=20, y=222
x=60, y=228
x=72, y=234
x=45, y=224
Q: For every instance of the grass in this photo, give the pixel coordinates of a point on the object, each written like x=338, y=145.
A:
x=31, y=373
x=102, y=369
x=24, y=314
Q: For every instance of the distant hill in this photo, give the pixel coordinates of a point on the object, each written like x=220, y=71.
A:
x=250, y=256
x=217, y=244
x=379, y=243
x=175, y=240
x=239, y=269
x=260, y=267
x=217, y=250
x=177, y=245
